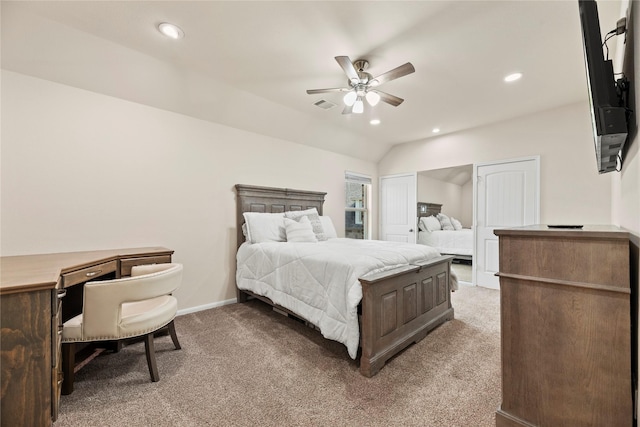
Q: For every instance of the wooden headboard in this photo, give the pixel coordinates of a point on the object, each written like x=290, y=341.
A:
x=251, y=198
x=428, y=209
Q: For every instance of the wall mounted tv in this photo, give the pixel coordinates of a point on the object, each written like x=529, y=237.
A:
x=609, y=115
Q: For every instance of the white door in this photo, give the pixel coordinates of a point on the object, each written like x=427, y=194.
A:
x=398, y=204
x=506, y=195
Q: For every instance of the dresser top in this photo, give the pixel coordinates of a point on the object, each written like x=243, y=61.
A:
x=587, y=231
x=35, y=272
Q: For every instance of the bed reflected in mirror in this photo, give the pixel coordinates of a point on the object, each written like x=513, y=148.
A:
x=445, y=215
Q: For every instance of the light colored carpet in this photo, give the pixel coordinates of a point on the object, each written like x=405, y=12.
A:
x=245, y=365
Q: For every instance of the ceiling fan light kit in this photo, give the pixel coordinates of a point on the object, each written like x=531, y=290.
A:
x=361, y=85
x=373, y=98
x=358, y=106
x=350, y=98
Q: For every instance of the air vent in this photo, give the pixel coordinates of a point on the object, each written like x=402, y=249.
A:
x=324, y=104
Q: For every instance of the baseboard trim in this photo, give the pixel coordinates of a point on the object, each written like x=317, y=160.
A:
x=206, y=306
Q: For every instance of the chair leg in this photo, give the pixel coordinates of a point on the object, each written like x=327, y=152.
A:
x=174, y=337
x=151, y=357
x=68, y=367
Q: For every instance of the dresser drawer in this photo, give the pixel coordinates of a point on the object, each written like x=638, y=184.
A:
x=89, y=273
x=127, y=263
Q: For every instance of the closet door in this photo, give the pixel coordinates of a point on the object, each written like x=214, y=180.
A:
x=507, y=195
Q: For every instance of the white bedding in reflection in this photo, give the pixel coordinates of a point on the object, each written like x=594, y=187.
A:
x=449, y=242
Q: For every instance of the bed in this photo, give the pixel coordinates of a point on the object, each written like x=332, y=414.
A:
x=393, y=302
x=456, y=241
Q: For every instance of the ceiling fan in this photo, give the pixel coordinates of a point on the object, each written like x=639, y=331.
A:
x=363, y=86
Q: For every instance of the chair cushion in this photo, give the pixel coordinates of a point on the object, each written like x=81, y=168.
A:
x=140, y=318
x=72, y=329
x=137, y=318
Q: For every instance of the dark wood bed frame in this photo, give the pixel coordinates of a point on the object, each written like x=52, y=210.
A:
x=428, y=209
x=398, y=307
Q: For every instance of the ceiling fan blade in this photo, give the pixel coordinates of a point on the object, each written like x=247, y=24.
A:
x=348, y=109
x=389, y=99
x=335, y=89
x=397, y=72
x=348, y=67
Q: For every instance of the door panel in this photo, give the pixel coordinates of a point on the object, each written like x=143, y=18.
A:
x=398, y=208
x=507, y=195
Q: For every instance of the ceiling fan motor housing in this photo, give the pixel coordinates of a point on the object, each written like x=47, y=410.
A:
x=360, y=65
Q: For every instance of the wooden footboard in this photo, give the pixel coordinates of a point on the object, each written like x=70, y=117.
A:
x=399, y=307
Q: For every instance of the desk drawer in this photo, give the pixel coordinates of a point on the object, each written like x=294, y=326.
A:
x=57, y=295
x=89, y=273
x=56, y=352
x=127, y=263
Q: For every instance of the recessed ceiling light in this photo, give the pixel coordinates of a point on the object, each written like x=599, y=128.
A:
x=171, y=30
x=375, y=122
x=435, y=130
x=513, y=77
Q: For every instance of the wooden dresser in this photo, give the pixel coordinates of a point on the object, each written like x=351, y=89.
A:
x=565, y=326
x=37, y=292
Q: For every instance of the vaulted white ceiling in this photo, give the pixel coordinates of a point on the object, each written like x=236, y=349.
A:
x=248, y=64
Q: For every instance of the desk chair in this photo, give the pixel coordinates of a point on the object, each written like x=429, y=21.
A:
x=120, y=309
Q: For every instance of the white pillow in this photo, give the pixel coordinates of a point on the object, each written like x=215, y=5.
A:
x=299, y=231
x=445, y=222
x=430, y=223
x=314, y=218
x=264, y=227
x=327, y=226
x=457, y=225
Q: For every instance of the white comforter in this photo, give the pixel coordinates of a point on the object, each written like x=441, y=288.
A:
x=319, y=281
x=452, y=242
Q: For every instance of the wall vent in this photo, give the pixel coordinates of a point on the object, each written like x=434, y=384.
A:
x=324, y=104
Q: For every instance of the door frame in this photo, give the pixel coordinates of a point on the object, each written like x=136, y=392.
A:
x=536, y=159
x=410, y=206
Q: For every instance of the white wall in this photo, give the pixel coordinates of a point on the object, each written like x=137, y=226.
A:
x=572, y=191
x=626, y=184
x=84, y=171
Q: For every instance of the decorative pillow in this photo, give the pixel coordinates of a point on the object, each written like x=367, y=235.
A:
x=264, y=227
x=457, y=225
x=314, y=218
x=430, y=223
x=327, y=226
x=445, y=222
x=299, y=231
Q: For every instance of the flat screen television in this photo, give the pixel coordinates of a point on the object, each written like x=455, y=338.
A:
x=608, y=116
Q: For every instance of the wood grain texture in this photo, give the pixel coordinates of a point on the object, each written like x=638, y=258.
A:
x=565, y=328
x=390, y=324
x=31, y=272
x=26, y=359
